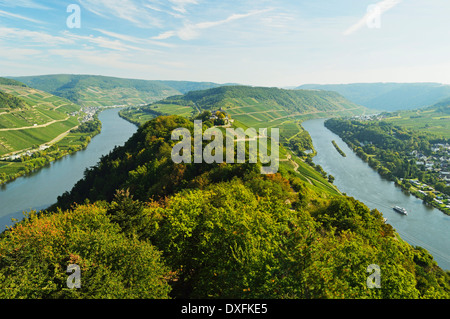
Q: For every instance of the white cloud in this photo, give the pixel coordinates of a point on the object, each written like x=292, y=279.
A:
x=128, y=10
x=34, y=37
x=102, y=42
x=133, y=39
x=22, y=3
x=375, y=13
x=180, y=5
x=17, y=16
x=191, y=31
x=165, y=35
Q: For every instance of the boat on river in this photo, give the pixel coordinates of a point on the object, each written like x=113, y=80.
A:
x=400, y=210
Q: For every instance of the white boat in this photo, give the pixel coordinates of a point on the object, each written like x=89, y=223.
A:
x=400, y=210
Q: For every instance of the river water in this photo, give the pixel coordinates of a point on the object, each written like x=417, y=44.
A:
x=42, y=188
x=423, y=226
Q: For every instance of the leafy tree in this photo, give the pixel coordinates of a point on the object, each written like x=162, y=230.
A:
x=36, y=252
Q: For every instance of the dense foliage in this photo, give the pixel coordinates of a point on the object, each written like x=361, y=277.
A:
x=5, y=81
x=158, y=229
x=10, y=101
x=35, y=254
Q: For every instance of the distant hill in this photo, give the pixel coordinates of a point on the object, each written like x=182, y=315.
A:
x=186, y=86
x=95, y=90
x=388, y=96
x=265, y=105
x=443, y=106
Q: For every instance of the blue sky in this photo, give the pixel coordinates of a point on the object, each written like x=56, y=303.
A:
x=254, y=42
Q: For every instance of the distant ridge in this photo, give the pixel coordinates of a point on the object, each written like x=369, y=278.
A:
x=388, y=96
x=96, y=90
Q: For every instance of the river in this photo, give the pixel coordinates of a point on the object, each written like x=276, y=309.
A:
x=41, y=189
x=423, y=226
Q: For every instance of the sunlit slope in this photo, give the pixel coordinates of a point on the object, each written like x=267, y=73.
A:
x=434, y=119
x=32, y=117
x=257, y=106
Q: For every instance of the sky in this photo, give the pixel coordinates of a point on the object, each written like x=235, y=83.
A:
x=253, y=42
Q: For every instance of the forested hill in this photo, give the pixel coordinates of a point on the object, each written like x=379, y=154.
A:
x=388, y=96
x=95, y=90
x=302, y=101
x=210, y=231
x=253, y=106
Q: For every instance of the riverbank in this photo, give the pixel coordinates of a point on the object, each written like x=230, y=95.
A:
x=391, y=157
x=423, y=192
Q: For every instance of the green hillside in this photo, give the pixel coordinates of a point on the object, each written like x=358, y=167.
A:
x=261, y=107
x=434, y=120
x=87, y=90
x=34, y=128
x=388, y=96
x=253, y=106
x=155, y=229
x=95, y=90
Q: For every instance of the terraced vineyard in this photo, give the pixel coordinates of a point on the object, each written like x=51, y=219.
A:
x=37, y=127
x=46, y=117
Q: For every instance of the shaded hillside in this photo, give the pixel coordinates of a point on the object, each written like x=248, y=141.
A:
x=388, y=96
x=186, y=86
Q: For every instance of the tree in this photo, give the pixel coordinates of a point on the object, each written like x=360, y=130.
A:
x=35, y=254
x=331, y=178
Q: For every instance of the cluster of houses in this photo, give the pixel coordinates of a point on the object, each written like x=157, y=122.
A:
x=423, y=188
x=27, y=153
x=220, y=117
x=438, y=161
x=369, y=117
x=88, y=113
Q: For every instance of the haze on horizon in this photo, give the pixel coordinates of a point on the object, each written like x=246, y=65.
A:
x=267, y=43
